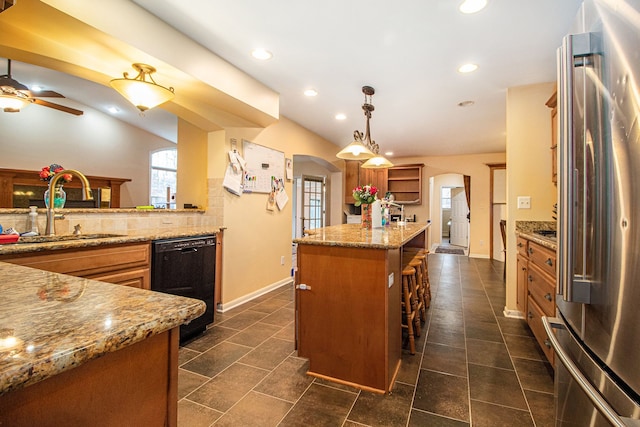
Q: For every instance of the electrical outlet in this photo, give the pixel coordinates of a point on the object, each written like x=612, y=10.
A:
x=282, y=260
x=524, y=202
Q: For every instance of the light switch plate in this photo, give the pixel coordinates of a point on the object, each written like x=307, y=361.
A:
x=524, y=202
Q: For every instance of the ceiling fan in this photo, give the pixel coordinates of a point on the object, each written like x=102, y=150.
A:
x=14, y=95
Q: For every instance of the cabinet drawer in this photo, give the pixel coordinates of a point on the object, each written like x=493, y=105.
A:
x=541, y=288
x=543, y=257
x=522, y=244
x=534, y=318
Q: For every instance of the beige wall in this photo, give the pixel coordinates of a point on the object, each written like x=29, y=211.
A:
x=192, y=165
x=528, y=166
x=94, y=143
x=255, y=239
x=474, y=165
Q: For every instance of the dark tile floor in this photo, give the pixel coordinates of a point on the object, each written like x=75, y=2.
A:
x=473, y=367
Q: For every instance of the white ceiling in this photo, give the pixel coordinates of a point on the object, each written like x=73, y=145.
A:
x=408, y=50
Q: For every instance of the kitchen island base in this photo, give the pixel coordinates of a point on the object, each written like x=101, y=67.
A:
x=137, y=385
x=348, y=303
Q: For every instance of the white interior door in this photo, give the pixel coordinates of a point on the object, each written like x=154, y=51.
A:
x=459, y=223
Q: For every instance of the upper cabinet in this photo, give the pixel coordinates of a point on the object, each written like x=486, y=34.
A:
x=405, y=183
x=553, y=104
x=355, y=175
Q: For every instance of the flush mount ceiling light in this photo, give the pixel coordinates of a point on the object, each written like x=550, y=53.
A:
x=13, y=95
x=261, y=54
x=472, y=6
x=467, y=68
x=311, y=92
x=363, y=147
x=341, y=116
x=140, y=92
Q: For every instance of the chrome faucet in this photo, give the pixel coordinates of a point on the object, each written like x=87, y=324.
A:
x=86, y=195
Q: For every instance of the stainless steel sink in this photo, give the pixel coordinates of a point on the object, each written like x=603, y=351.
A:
x=65, y=237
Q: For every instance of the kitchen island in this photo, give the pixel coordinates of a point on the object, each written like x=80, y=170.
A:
x=75, y=351
x=348, y=302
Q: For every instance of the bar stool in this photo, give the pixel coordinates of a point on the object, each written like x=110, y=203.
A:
x=426, y=285
x=409, y=315
x=417, y=264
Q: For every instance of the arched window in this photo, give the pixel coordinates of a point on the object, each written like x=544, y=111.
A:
x=164, y=166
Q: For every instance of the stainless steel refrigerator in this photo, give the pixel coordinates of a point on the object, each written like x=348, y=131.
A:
x=596, y=333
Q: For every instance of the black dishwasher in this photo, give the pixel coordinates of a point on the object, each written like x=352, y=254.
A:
x=186, y=267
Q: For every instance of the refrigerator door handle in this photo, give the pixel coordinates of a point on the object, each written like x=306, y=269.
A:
x=575, y=277
x=594, y=396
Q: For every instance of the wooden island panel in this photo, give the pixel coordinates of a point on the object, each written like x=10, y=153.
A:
x=345, y=318
x=348, y=303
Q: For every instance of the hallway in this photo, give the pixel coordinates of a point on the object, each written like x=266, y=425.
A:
x=473, y=367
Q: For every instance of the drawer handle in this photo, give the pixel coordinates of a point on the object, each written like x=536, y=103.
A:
x=549, y=262
x=530, y=251
x=520, y=244
x=303, y=287
x=548, y=297
x=530, y=315
x=530, y=278
x=547, y=343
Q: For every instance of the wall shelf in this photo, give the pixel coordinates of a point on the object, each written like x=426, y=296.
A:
x=405, y=183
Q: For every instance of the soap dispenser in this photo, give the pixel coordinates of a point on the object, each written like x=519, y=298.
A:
x=33, y=219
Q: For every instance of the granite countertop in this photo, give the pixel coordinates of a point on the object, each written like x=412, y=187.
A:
x=353, y=235
x=91, y=239
x=53, y=322
x=527, y=230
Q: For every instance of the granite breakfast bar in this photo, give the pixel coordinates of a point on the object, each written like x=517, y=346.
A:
x=75, y=351
x=348, y=302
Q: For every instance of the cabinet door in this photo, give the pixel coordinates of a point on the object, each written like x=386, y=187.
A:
x=351, y=179
x=521, y=294
x=136, y=278
x=377, y=178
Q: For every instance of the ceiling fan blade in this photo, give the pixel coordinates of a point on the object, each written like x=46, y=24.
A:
x=58, y=107
x=47, y=94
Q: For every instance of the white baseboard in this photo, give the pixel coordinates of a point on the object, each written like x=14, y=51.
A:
x=514, y=314
x=246, y=298
x=484, y=256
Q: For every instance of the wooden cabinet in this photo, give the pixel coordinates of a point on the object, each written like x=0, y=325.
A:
x=521, y=294
x=355, y=175
x=14, y=183
x=125, y=264
x=405, y=183
x=536, y=288
x=351, y=179
x=553, y=104
x=375, y=177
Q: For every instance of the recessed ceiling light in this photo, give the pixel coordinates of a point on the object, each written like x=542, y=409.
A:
x=466, y=103
x=261, y=54
x=472, y=6
x=311, y=92
x=341, y=116
x=113, y=110
x=467, y=68
x=388, y=153
x=36, y=88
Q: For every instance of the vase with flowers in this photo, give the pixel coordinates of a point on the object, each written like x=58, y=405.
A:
x=59, y=196
x=364, y=196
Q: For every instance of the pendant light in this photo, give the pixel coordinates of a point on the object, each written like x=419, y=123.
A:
x=363, y=148
x=140, y=92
